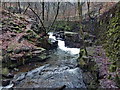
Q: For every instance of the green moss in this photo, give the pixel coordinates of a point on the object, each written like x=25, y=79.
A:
x=5, y=71
x=112, y=68
x=111, y=39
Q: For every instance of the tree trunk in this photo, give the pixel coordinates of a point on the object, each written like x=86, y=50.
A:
x=19, y=7
x=81, y=27
x=43, y=10
x=48, y=8
x=88, y=6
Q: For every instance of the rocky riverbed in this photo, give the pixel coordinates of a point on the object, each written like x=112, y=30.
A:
x=60, y=71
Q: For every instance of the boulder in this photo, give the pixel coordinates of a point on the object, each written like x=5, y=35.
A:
x=5, y=82
x=59, y=35
x=51, y=77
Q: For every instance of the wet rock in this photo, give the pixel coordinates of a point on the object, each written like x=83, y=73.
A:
x=54, y=44
x=38, y=70
x=5, y=82
x=52, y=77
x=59, y=35
x=15, y=69
x=72, y=39
x=22, y=49
x=19, y=77
x=17, y=51
x=37, y=52
x=10, y=75
x=39, y=48
x=25, y=48
x=88, y=42
x=43, y=56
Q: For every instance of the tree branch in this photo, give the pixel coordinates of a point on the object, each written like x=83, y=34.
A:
x=38, y=18
x=55, y=17
x=26, y=9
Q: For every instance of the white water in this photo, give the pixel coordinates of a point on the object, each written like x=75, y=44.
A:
x=61, y=45
x=6, y=87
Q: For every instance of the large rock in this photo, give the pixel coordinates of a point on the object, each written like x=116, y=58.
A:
x=59, y=35
x=73, y=40
x=50, y=77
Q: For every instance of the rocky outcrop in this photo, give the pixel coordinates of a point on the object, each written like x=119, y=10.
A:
x=19, y=43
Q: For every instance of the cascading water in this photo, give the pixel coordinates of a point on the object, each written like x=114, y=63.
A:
x=61, y=45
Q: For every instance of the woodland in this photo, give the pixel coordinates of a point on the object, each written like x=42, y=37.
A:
x=60, y=45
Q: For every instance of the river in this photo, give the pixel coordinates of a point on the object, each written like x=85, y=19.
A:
x=60, y=70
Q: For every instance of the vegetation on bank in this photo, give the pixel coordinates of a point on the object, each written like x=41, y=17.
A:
x=21, y=42
x=107, y=32
x=109, y=37
x=25, y=39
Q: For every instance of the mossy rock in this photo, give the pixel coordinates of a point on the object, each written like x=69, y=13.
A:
x=42, y=56
x=82, y=62
x=14, y=65
x=22, y=26
x=28, y=31
x=5, y=71
x=112, y=68
x=9, y=50
x=12, y=46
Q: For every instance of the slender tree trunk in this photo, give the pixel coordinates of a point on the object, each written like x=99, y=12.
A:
x=48, y=7
x=43, y=11
x=19, y=7
x=81, y=27
x=88, y=6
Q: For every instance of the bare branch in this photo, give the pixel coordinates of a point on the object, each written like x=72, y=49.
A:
x=26, y=9
x=55, y=17
x=38, y=18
